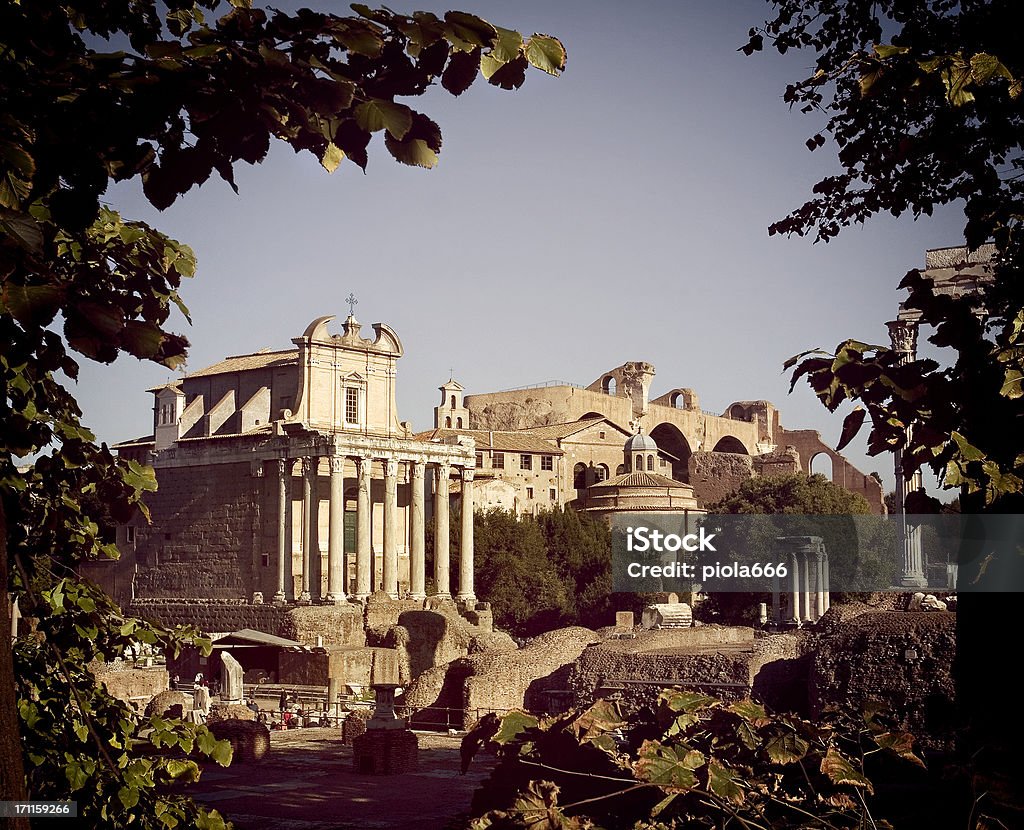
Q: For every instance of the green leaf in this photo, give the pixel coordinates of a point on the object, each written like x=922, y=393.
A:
x=840, y=771
x=129, y=796
x=32, y=305
x=512, y=724
x=546, y=53
x=900, y=744
x=885, y=51
x=967, y=450
x=984, y=67
x=467, y=31
x=851, y=426
x=222, y=753
x=721, y=783
x=414, y=152
x=678, y=701
x=787, y=749
x=667, y=766
x=332, y=157
x=23, y=229
x=602, y=717
x=377, y=114
x=749, y=711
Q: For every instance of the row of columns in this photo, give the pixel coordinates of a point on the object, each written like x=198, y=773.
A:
x=807, y=597
x=364, y=558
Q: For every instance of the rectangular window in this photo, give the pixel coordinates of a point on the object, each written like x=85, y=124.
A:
x=529, y=492
x=553, y=494
x=498, y=461
x=129, y=534
x=547, y=462
x=351, y=405
x=479, y=459
x=526, y=462
x=265, y=560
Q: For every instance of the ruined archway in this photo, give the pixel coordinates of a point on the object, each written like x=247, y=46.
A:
x=671, y=440
x=731, y=444
x=590, y=416
x=821, y=464
x=579, y=478
x=608, y=385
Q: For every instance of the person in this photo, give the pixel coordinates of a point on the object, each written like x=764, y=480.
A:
x=282, y=702
x=253, y=705
x=198, y=681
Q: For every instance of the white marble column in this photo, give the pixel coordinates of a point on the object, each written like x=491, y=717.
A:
x=794, y=595
x=808, y=601
x=442, y=474
x=819, y=582
x=466, y=541
x=828, y=586
x=364, y=521
x=390, y=577
x=903, y=336
x=417, y=556
x=284, y=536
x=336, y=534
x=310, y=517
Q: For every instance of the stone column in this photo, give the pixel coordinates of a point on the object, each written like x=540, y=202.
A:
x=364, y=521
x=903, y=335
x=794, y=595
x=819, y=582
x=466, y=542
x=808, y=603
x=309, y=524
x=776, y=604
x=417, y=555
x=336, y=535
x=390, y=521
x=442, y=473
x=825, y=580
x=284, y=536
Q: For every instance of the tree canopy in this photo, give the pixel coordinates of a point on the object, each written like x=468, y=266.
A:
x=99, y=91
x=922, y=99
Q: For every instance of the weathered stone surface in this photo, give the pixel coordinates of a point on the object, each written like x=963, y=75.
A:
x=230, y=711
x=384, y=752
x=230, y=678
x=472, y=686
x=901, y=659
x=335, y=625
x=250, y=741
x=167, y=702
x=353, y=726
x=667, y=615
x=132, y=685
x=714, y=475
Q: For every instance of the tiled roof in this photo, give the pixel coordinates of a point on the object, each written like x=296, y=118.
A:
x=556, y=431
x=499, y=441
x=135, y=442
x=642, y=479
x=245, y=362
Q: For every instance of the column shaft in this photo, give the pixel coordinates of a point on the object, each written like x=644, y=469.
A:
x=284, y=552
x=390, y=577
x=808, y=606
x=336, y=534
x=441, y=541
x=417, y=557
x=364, y=521
x=794, y=595
x=466, y=540
x=309, y=520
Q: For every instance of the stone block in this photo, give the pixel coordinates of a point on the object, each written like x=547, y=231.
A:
x=385, y=752
x=624, y=621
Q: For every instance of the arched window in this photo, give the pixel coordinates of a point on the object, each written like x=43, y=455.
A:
x=677, y=400
x=738, y=413
x=601, y=472
x=639, y=463
x=609, y=385
x=448, y=423
x=458, y=423
x=579, y=476
x=650, y=463
x=620, y=470
x=453, y=402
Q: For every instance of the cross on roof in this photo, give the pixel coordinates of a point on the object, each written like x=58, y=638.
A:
x=352, y=303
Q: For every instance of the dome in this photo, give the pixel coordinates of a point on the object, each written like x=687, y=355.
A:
x=640, y=443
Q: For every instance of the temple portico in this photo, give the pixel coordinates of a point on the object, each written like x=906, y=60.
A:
x=375, y=521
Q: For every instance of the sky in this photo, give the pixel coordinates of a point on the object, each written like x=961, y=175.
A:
x=616, y=213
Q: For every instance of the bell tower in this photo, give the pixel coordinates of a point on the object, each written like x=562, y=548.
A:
x=451, y=413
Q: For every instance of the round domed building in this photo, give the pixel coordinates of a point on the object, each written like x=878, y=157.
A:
x=639, y=488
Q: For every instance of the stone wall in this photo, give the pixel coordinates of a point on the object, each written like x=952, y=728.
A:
x=205, y=538
x=336, y=625
x=129, y=684
x=213, y=616
x=714, y=475
x=900, y=658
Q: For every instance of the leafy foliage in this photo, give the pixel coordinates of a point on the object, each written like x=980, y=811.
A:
x=541, y=572
x=186, y=89
x=923, y=103
x=692, y=762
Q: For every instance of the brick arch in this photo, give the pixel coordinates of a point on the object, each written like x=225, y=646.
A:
x=671, y=439
x=826, y=465
x=731, y=443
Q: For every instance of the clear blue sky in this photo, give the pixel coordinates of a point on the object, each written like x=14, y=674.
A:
x=617, y=213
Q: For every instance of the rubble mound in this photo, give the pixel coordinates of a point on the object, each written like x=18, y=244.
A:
x=250, y=741
x=166, y=703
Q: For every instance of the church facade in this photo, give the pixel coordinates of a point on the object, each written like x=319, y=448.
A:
x=288, y=475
